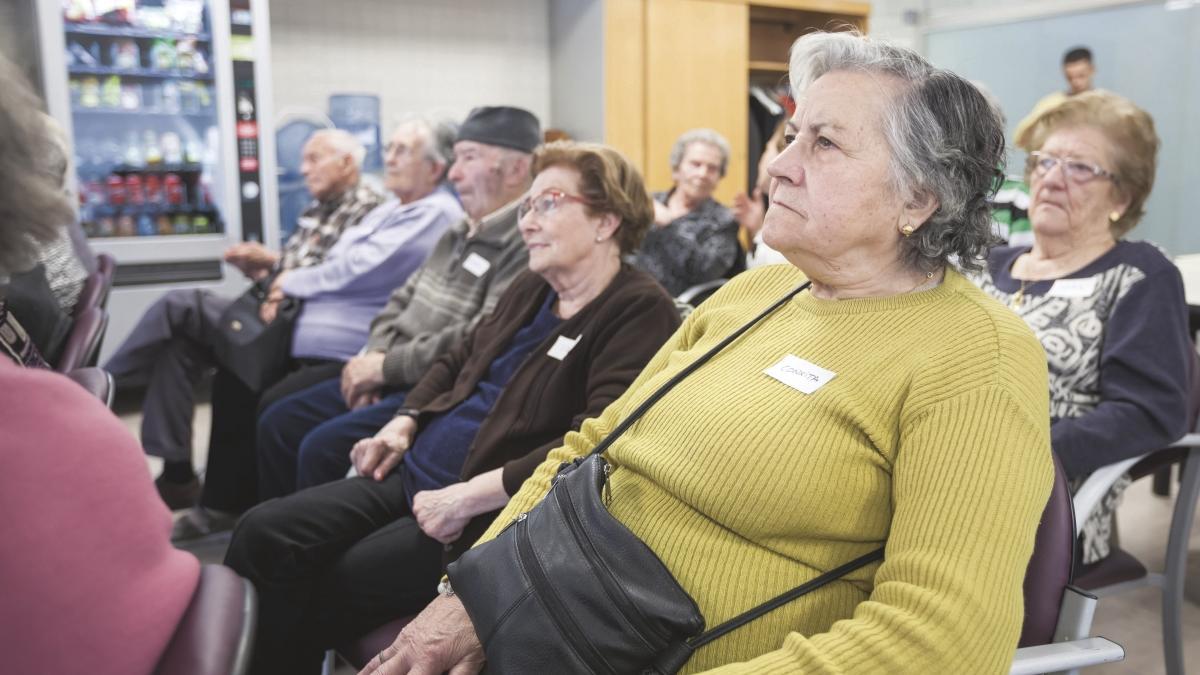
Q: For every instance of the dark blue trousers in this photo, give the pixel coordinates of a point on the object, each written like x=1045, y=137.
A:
x=305, y=439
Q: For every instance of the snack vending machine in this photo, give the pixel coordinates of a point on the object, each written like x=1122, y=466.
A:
x=164, y=102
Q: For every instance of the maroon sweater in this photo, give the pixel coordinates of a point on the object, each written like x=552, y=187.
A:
x=618, y=332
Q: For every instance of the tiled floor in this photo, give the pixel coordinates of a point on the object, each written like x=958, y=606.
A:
x=1132, y=619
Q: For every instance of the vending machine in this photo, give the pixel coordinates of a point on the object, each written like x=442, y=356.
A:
x=164, y=102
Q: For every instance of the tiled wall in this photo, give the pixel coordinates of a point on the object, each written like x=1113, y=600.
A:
x=417, y=55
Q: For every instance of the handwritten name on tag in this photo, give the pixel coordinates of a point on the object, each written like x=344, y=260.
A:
x=476, y=264
x=799, y=374
x=1072, y=288
x=561, y=347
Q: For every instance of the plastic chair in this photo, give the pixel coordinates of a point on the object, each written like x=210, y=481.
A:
x=216, y=633
x=1058, y=615
x=97, y=381
x=83, y=342
x=1121, y=571
x=97, y=286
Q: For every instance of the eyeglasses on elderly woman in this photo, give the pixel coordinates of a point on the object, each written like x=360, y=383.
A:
x=546, y=201
x=1077, y=171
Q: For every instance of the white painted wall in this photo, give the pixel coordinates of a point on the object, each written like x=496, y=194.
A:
x=577, y=68
x=417, y=55
x=888, y=18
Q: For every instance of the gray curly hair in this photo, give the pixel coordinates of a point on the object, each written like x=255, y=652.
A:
x=33, y=207
x=946, y=141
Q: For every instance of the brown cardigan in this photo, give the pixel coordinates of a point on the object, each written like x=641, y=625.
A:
x=618, y=332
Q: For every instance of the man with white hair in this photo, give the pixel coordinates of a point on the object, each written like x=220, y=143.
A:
x=171, y=346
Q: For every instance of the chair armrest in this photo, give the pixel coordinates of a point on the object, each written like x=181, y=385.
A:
x=690, y=294
x=1101, y=481
x=1187, y=441
x=1088, y=496
x=1062, y=656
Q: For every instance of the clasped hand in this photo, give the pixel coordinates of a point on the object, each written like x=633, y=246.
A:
x=378, y=455
x=362, y=380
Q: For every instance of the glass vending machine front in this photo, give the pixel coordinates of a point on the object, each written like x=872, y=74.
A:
x=144, y=115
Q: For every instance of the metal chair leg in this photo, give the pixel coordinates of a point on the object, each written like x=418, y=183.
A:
x=1162, y=482
x=1176, y=565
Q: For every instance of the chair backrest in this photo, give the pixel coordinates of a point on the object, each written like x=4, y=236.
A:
x=97, y=381
x=216, y=632
x=1049, y=571
x=97, y=286
x=83, y=342
x=106, y=267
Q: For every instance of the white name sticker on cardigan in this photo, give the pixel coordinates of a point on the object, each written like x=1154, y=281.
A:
x=561, y=347
x=1072, y=288
x=476, y=264
x=799, y=374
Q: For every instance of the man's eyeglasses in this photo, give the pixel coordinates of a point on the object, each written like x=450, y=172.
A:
x=1077, y=171
x=546, y=202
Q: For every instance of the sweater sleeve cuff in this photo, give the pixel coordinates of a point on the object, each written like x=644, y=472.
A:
x=394, y=371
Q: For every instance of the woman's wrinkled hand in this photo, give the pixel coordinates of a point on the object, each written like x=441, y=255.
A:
x=441, y=639
x=442, y=514
x=378, y=455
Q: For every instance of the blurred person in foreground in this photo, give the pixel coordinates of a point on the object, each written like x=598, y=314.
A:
x=886, y=405
x=1109, y=312
x=87, y=573
x=567, y=338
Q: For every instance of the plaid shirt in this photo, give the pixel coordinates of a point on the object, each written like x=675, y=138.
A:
x=320, y=225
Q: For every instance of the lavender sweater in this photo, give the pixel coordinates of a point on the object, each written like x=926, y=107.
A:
x=343, y=293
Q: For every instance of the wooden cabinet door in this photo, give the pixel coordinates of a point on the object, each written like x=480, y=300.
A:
x=696, y=76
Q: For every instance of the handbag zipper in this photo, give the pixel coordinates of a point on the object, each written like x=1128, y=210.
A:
x=554, y=605
x=629, y=610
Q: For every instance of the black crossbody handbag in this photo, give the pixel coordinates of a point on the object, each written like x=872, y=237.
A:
x=568, y=588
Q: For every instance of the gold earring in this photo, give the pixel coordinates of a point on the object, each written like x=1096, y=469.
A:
x=1114, y=216
x=907, y=230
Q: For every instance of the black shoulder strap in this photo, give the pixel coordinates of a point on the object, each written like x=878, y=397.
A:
x=779, y=600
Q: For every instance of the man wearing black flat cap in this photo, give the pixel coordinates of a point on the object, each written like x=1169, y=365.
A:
x=304, y=437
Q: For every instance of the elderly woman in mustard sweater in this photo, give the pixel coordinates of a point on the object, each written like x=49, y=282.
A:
x=918, y=422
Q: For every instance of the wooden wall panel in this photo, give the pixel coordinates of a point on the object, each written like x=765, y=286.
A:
x=625, y=78
x=696, y=76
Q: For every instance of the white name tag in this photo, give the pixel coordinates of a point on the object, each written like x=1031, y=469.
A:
x=799, y=374
x=1072, y=288
x=476, y=264
x=561, y=347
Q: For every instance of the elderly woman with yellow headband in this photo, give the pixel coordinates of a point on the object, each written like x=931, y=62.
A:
x=1109, y=312
x=889, y=405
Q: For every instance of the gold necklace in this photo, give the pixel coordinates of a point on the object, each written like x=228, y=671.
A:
x=1018, y=298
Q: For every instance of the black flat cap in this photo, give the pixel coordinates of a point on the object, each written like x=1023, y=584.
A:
x=503, y=126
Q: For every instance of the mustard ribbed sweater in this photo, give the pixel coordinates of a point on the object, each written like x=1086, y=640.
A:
x=932, y=437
